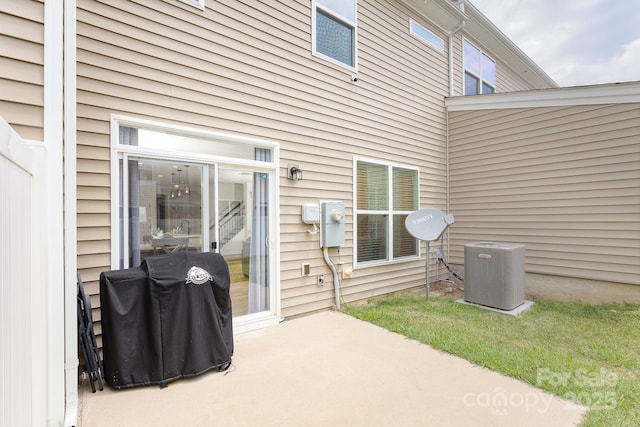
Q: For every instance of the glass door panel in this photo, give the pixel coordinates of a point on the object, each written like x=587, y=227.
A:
x=242, y=237
x=165, y=208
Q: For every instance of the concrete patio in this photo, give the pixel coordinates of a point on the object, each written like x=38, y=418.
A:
x=329, y=369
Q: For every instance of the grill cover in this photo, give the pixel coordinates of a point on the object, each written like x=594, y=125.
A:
x=167, y=319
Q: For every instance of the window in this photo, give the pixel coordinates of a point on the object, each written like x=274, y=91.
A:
x=479, y=71
x=385, y=195
x=334, y=34
x=426, y=35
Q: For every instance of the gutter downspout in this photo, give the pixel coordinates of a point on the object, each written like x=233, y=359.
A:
x=446, y=113
x=71, y=361
x=53, y=241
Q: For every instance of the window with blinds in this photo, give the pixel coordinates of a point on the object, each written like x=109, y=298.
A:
x=385, y=195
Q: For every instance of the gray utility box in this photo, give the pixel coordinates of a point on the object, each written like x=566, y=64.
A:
x=494, y=274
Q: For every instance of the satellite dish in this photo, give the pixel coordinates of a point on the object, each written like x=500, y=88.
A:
x=427, y=224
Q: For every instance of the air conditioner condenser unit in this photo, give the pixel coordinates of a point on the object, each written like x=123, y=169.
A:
x=494, y=274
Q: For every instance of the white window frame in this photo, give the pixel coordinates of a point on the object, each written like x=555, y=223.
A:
x=243, y=323
x=479, y=77
x=432, y=40
x=195, y=3
x=389, y=211
x=353, y=24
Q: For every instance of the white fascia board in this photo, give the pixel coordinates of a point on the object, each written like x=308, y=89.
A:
x=612, y=93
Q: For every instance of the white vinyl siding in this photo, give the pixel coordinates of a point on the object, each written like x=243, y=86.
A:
x=18, y=286
x=565, y=181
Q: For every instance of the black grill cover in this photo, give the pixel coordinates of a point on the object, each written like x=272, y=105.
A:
x=167, y=319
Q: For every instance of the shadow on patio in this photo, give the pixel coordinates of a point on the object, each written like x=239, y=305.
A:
x=331, y=369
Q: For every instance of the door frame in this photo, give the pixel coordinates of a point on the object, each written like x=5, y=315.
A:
x=242, y=323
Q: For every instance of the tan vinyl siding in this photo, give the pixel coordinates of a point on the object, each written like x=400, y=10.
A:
x=22, y=66
x=458, y=64
x=565, y=181
x=246, y=68
x=508, y=81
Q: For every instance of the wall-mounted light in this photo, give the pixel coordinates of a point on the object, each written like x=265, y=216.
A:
x=294, y=172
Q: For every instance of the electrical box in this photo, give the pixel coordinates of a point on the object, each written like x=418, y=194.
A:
x=311, y=213
x=331, y=224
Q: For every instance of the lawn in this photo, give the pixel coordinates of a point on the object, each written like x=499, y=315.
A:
x=587, y=354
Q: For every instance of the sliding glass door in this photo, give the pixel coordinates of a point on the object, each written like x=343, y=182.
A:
x=242, y=235
x=175, y=203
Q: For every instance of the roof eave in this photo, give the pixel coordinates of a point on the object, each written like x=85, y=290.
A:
x=449, y=17
x=442, y=13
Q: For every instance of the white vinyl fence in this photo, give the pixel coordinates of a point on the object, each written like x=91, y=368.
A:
x=16, y=184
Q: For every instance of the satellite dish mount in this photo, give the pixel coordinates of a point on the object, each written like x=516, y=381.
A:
x=428, y=225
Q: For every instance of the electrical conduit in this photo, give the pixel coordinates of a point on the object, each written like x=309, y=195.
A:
x=336, y=279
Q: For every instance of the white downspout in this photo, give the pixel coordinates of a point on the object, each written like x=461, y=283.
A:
x=52, y=175
x=451, y=93
x=70, y=223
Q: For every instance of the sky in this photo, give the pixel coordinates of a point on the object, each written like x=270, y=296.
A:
x=576, y=42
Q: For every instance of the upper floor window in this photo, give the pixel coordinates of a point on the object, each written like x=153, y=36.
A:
x=334, y=33
x=385, y=195
x=479, y=71
x=426, y=35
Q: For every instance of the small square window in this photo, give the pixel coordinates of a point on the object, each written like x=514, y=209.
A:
x=426, y=35
x=333, y=38
x=334, y=30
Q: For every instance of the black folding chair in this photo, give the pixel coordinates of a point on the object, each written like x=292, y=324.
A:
x=87, y=339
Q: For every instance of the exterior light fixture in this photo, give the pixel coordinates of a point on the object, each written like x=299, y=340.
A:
x=294, y=172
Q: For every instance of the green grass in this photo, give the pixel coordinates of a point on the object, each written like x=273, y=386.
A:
x=587, y=354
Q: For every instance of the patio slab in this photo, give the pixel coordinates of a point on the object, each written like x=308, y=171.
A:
x=331, y=369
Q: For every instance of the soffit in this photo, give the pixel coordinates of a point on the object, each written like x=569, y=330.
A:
x=442, y=13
